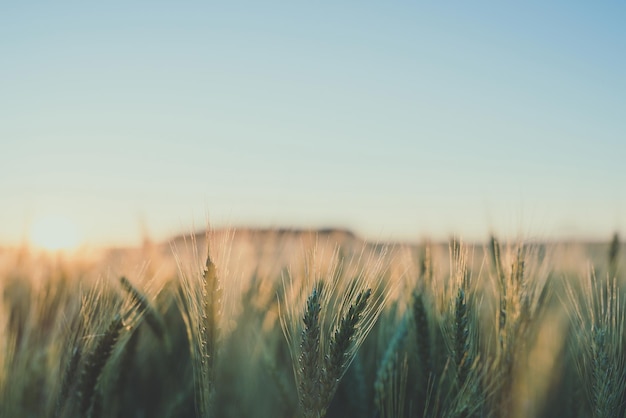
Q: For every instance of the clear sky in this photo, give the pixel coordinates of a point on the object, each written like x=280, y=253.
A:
x=396, y=119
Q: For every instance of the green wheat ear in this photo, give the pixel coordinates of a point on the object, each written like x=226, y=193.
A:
x=68, y=380
x=340, y=351
x=209, y=332
x=149, y=313
x=614, y=255
x=308, y=362
x=422, y=328
x=462, y=353
x=342, y=339
x=387, y=373
x=95, y=362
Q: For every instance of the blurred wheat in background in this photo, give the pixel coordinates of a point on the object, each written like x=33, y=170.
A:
x=277, y=323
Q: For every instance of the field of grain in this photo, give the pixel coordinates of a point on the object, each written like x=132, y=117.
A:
x=284, y=323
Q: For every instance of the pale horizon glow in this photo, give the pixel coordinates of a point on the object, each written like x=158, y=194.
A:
x=398, y=121
x=54, y=233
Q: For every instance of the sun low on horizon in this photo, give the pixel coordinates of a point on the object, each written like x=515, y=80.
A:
x=54, y=232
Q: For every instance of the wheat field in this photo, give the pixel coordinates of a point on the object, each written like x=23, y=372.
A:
x=281, y=323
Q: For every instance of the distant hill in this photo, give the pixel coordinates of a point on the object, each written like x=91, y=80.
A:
x=338, y=235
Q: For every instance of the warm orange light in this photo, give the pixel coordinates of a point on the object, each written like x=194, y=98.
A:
x=54, y=232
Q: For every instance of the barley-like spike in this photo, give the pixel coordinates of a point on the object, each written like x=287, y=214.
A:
x=426, y=266
x=613, y=255
x=387, y=370
x=423, y=341
x=601, y=386
x=68, y=379
x=497, y=264
x=461, y=340
x=308, y=362
x=496, y=258
x=391, y=397
x=95, y=362
x=519, y=266
x=152, y=317
x=340, y=344
x=212, y=305
x=125, y=365
x=344, y=334
x=209, y=328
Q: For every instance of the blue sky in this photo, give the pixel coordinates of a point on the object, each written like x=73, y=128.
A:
x=398, y=120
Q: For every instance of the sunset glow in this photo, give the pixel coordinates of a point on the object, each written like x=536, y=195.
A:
x=54, y=232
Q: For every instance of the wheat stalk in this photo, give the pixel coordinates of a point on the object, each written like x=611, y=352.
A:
x=152, y=317
x=95, y=362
